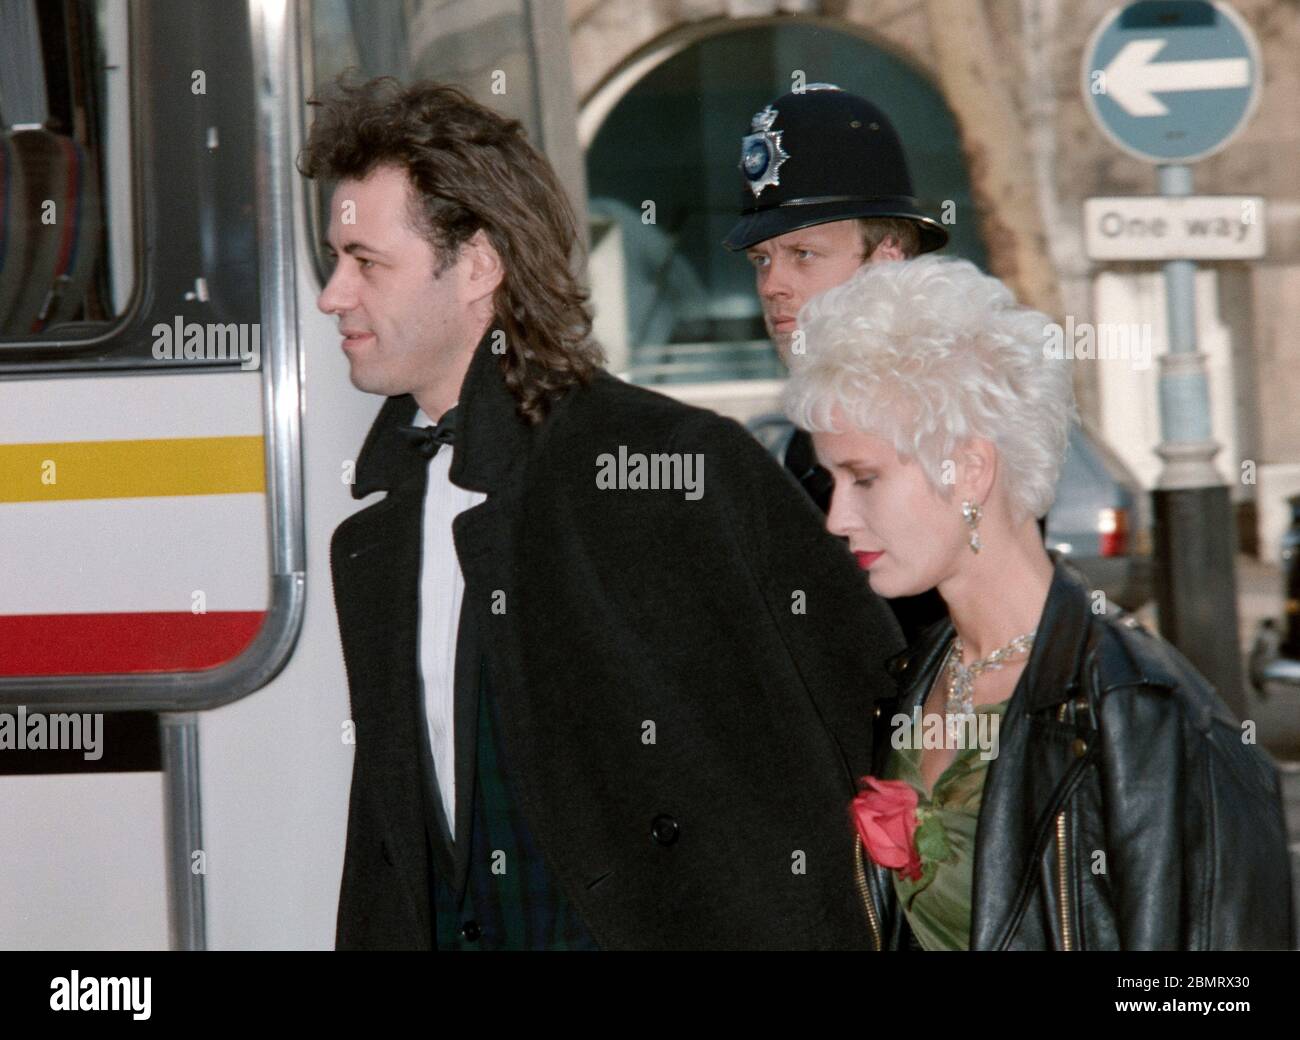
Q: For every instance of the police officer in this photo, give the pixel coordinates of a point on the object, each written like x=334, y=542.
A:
x=825, y=189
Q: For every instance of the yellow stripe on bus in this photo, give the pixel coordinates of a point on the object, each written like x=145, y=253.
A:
x=131, y=469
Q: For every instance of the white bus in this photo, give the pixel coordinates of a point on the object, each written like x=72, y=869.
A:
x=177, y=430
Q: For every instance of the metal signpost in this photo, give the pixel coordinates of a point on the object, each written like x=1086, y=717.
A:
x=1171, y=82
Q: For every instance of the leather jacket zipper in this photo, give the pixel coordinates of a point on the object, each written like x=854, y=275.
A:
x=873, y=918
x=1063, y=869
x=1063, y=881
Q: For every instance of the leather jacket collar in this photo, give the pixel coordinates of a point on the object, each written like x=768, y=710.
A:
x=1052, y=673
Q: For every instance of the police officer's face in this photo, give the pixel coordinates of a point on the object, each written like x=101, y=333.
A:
x=793, y=268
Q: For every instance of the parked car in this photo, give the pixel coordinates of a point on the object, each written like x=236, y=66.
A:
x=1100, y=521
x=1275, y=655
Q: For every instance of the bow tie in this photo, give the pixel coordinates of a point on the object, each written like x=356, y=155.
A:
x=427, y=439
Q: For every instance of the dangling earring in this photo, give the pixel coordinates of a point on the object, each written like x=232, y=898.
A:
x=971, y=514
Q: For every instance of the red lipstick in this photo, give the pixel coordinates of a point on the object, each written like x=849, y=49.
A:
x=866, y=559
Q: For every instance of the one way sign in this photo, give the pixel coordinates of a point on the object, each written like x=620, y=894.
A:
x=1190, y=227
x=1171, y=81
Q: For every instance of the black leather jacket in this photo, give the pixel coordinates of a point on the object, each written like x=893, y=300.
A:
x=1124, y=809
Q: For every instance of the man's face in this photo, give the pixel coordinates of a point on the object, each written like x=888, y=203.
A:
x=791, y=269
x=403, y=328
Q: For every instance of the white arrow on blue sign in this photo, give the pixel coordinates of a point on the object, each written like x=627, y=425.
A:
x=1172, y=81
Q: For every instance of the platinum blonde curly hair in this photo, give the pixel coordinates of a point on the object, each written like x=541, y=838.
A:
x=928, y=352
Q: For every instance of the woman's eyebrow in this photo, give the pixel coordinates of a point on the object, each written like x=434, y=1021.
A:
x=845, y=464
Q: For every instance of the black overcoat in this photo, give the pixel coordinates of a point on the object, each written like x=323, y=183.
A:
x=686, y=684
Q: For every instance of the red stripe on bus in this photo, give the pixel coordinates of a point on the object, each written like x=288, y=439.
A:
x=109, y=644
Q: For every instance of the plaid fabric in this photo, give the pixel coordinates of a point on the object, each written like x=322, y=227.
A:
x=510, y=896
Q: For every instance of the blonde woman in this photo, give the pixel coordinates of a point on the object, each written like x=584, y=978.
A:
x=1117, y=806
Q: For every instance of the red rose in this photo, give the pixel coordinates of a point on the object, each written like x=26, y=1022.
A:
x=885, y=815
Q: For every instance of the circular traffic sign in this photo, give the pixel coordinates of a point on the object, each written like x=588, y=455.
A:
x=1172, y=81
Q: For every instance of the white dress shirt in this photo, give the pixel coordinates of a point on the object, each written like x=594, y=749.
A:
x=442, y=586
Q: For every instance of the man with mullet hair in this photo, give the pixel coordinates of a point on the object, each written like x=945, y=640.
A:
x=586, y=716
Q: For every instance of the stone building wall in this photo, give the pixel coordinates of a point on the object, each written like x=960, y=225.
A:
x=1034, y=56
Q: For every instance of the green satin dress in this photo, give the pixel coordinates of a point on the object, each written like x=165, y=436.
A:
x=938, y=906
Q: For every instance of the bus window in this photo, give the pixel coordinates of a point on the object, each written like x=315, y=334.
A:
x=66, y=269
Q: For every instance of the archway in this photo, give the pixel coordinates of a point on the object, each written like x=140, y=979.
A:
x=663, y=188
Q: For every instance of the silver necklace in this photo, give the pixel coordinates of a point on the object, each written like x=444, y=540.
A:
x=961, y=678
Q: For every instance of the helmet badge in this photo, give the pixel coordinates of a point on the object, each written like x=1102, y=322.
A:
x=761, y=154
